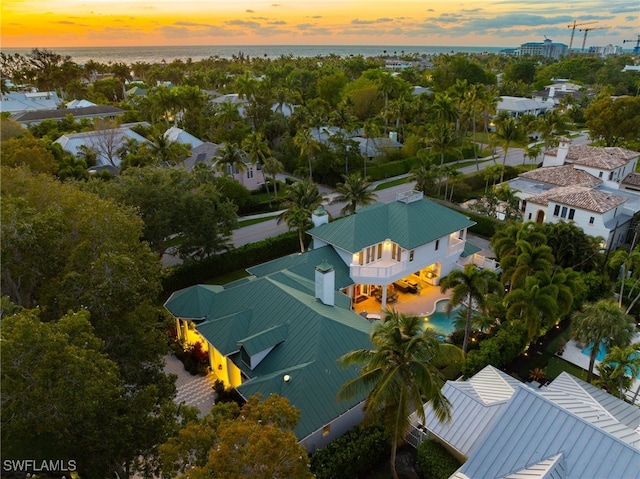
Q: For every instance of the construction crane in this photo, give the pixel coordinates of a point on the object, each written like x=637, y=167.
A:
x=586, y=31
x=573, y=29
x=636, y=49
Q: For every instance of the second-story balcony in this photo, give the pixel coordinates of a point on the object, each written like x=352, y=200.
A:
x=379, y=269
x=456, y=246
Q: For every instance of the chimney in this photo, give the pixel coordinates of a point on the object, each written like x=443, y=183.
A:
x=319, y=216
x=561, y=154
x=325, y=283
x=552, y=92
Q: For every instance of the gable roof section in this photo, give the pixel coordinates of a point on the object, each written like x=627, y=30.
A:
x=565, y=175
x=409, y=224
x=178, y=134
x=81, y=112
x=534, y=428
x=580, y=197
x=632, y=179
x=316, y=335
x=193, y=303
x=552, y=468
x=475, y=405
x=265, y=339
x=305, y=265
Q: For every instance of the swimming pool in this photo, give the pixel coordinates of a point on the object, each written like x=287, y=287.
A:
x=602, y=352
x=440, y=320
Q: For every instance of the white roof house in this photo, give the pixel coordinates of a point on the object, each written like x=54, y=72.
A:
x=18, y=101
x=595, y=187
x=104, y=142
x=518, y=106
x=567, y=430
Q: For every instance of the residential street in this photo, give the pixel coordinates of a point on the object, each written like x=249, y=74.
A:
x=266, y=229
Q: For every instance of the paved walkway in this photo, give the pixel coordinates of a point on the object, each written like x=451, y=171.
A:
x=192, y=390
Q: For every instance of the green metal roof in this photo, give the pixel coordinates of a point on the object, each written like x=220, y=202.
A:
x=193, y=302
x=408, y=224
x=316, y=335
x=305, y=264
x=469, y=249
x=265, y=339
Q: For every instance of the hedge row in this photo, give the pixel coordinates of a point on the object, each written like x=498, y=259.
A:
x=434, y=460
x=188, y=274
x=351, y=455
x=485, y=226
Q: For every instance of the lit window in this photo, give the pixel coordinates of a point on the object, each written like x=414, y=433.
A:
x=411, y=255
x=326, y=430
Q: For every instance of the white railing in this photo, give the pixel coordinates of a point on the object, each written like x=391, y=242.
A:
x=481, y=262
x=416, y=435
x=456, y=246
x=373, y=271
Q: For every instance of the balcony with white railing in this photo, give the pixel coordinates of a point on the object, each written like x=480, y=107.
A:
x=378, y=270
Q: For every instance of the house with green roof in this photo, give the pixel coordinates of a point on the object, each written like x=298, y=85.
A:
x=281, y=330
x=412, y=238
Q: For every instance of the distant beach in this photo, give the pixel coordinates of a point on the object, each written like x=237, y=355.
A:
x=130, y=55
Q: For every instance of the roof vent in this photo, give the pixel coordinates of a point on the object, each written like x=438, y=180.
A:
x=409, y=196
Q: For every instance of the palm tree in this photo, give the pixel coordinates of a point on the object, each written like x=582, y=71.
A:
x=551, y=124
x=533, y=304
x=399, y=374
x=230, y=158
x=443, y=139
x=469, y=286
x=445, y=109
x=425, y=174
x=307, y=145
x=272, y=166
x=302, y=198
x=630, y=264
x=355, y=191
x=508, y=132
x=257, y=149
x=165, y=152
x=602, y=324
x=387, y=84
x=625, y=365
x=531, y=260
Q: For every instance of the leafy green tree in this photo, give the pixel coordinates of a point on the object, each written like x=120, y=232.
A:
x=601, y=325
x=230, y=159
x=470, y=287
x=399, y=374
x=29, y=152
x=355, y=191
x=614, y=121
x=255, y=441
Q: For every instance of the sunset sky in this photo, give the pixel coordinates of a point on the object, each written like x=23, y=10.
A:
x=70, y=23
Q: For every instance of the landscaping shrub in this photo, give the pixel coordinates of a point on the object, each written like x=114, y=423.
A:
x=499, y=350
x=197, y=272
x=435, y=462
x=351, y=455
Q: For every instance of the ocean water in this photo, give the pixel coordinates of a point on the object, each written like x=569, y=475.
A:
x=158, y=54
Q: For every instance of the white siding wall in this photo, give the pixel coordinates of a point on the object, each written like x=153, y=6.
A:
x=337, y=428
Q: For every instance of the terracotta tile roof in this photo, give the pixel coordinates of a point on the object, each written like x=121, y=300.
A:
x=580, y=197
x=565, y=175
x=607, y=158
x=632, y=179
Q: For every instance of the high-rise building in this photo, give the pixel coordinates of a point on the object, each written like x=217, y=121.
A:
x=546, y=49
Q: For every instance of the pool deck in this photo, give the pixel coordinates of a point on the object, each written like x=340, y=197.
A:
x=573, y=354
x=422, y=303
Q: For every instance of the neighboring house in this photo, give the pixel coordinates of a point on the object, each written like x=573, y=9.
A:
x=555, y=92
x=369, y=147
x=518, y=106
x=386, y=242
x=286, y=108
x=79, y=104
x=595, y=187
x=566, y=430
x=206, y=152
x=90, y=112
x=15, y=102
x=104, y=142
x=475, y=405
x=282, y=329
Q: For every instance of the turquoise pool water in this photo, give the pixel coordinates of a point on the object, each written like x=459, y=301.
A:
x=440, y=320
x=601, y=354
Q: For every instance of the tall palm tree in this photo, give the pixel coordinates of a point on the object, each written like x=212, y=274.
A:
x=307, y=145
x=602, y=324
x=442, y=138
x=445, y=109
x=302, y=198
x=426, y=175
x=399, y=374
x=533, y=304
x=257, y=149
x=470, y=286
x=628, y=264
x=272, y=166
x=355, y=191
x=387, y=84
x=508, y=132
x=551, y=124
x=231, y=158
x=531, y=260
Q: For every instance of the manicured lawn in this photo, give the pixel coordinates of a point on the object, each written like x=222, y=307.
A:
x=389, y=184
x=243, y=223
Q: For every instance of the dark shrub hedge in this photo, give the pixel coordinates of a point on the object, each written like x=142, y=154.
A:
x=197, y=272
x=435, y=462
x=351, y=455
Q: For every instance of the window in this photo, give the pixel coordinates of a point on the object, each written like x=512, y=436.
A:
x=250, y=172
x=360, y=258
x=600, y=175
x=572, y=213
x=326, y=430
x=437, y=244
x=611, y=175
x=379, y=250
x=411, y=255
x=591, y=220
x=529, y=215
x=563, y=214
x=556, y=210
